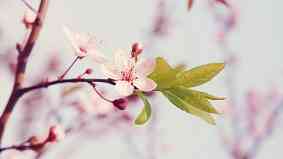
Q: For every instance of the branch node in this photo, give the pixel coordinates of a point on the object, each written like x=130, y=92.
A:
x=19, y=48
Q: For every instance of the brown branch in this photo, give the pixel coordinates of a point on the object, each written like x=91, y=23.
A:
x=23, y=147
x=21, y=66
x=74, y=80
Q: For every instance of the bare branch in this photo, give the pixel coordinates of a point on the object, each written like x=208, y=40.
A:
x=21, y=66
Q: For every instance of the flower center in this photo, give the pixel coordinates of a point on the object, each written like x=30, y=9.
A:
x=128, y=75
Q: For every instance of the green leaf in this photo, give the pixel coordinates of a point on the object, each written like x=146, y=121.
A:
x=145, y=114
x=185, y=106
x=194, y=98
x=209, y=96
x=165, y=80
x=164, y=75
x=161, y=67
x=180, y=67
x=198, y=75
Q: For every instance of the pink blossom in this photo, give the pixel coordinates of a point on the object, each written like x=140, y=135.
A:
x=130, y=72
x=100, y=106
x=92, y=104
x=83, y=45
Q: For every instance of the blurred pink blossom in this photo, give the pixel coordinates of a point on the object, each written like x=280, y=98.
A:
x=92, y=103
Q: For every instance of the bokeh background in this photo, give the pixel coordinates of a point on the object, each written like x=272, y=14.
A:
x=254, y=45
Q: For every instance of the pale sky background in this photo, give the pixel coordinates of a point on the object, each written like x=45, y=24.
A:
x=257, y=41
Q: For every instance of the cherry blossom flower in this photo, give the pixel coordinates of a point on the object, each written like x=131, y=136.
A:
x=101, y=107
x=91, y=103
x=84, y=45
x=130, y=72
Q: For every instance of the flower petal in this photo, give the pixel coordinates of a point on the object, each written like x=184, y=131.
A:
x=145, y=84
x=110, y=71
x=124, y=88
x=29, y=16
x=145, y=67
x=121, y=59
x=97, y=56
x=71, y=37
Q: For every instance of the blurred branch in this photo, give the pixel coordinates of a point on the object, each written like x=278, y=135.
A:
x=269, y=125
x=23, y=147
x=254, y=133
x=21, y=66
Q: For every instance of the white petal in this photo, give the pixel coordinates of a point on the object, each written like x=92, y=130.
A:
x=83, y=39
x=124, y=88
x=71, y=38
x=110, y=71
x=29, y=16
x=121, y=59
x=145, y=84
x=145, y=67
x=97, y=56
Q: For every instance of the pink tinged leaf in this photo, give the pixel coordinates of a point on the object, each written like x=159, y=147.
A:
x=124, y=88
x=145, y=84
x=145, y=67
x=190, y=4
x=111, y=71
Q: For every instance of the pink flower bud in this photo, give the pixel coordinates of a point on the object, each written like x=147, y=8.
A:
x=137, y=49
x=88, y=71
x=34, y=140
x=29, y=18
x=121, y=103
x=56, y=133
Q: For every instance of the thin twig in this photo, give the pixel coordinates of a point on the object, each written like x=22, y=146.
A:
x=21, y=147
x=69, y=68
x=99, y=94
